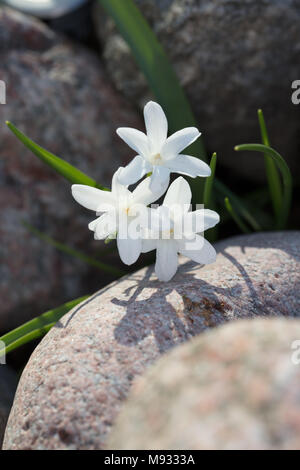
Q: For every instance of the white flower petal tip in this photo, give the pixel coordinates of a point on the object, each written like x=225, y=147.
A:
x=89, y=197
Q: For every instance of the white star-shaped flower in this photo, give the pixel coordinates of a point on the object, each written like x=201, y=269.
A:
x=157, y=153
x=123, y=213
x=179, y=231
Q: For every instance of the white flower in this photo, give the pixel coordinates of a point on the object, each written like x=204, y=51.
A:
x=179, y=232
x=158, y=153
x=123, y=211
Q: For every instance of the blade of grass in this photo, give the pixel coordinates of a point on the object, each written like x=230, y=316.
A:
x=37, y=327
x=273, y=179
x=75, y=253
x=286, y=178
x=235, y=216
x=62, y=167
x=207, y=194
x=208, y=200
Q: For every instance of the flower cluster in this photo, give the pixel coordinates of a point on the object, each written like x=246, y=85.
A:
x=125, y=215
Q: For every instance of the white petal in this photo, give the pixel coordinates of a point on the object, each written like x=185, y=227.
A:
x=179, y=141
x=200, y=220
x=156, y=125
x=137, y=140
x=160, y=179
x=166, y=259
x=129, y=249
x=135, y=170
x=190, y=166
x=199, y=250
x=146, y=192
x=106, y=225
x=91, y=198
x=119, y=190
x=149, y=244
x=179, y=193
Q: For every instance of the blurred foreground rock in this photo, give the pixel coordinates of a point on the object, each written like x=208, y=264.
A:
x=231, y=58
x=59, y=95
x=234, y=388
x=72, y=388
x=8, y=385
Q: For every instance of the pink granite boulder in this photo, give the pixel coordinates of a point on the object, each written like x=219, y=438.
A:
x=234, y=388
x=59, y=95
x=72, y=388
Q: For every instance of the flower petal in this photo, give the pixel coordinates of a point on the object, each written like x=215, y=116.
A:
x=179, y=141
x=129, y=249
x=156, y=126
x=91, y=198
x=104, y=225
x=190, y=166
x=146, y=192
x=160, y=179
x=137, y=140
x=198, y=250
x=200, y=220
x=149, y=244
x=134, y=171
x=179, y=193
x=166, y=259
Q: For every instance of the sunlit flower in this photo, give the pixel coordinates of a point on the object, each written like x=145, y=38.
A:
x=157, y=153
x=179, y=232
x=122, y=212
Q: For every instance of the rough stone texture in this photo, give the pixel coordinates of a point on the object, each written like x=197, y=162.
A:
x=233, y=388
x=72, y=388
x=59, y=95
x=232, y=57
x=8, y=385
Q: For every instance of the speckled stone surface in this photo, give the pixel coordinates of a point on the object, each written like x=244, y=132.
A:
x=231, y=57
x=72, y=388
x=8, y=385
x=237, y=387
x=59, y=95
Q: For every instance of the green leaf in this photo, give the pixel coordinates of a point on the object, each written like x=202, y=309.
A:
x=154, y=63
x=286, y=178
x=75, y=253
x=207, y=195
x=37, y=327
x=62, y=167
x=235, y=216
x=274, y=182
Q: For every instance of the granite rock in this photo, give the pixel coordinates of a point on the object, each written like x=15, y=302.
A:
x=60, y=96
x=235, y=388
x=74, y=384
x=232, y=57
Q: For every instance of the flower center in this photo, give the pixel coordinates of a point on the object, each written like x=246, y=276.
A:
x=157, y=159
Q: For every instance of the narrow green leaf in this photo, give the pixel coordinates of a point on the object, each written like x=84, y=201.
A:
x=235, y=216
x=286, y=178
x=62, y=167
x=239, y=206
x=207, y=195
x=75, y=253
x=271, y=170
x=37, y=327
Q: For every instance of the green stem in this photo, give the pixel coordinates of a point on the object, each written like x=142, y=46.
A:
x=235, y=216
x=286, y=178
x=271, y=170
